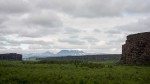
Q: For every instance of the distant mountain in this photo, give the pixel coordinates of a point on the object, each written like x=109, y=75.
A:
x=70, y=53
x=50, y=54
x=45, y=54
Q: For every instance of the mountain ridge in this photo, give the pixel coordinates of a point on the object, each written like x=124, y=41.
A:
x=51, y=54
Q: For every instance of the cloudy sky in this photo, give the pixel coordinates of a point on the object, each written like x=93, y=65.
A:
x=88, y=25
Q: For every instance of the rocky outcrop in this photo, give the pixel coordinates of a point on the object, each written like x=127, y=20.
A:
x=136, y=50
x=10, y=56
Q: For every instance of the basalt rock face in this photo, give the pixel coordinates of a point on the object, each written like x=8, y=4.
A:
x=10, y=56
x=136, y=50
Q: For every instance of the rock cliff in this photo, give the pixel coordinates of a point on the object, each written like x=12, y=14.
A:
x=10, y=56
x=136, y=50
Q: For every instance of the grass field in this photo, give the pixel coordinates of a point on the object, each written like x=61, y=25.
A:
x=71, y=72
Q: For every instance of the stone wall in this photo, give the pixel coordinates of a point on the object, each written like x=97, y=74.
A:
x=136, y=50
x=10, y=56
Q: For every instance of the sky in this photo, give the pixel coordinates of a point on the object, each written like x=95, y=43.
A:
x=99, y=26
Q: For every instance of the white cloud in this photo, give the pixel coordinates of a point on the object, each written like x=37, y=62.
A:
x=101, y=25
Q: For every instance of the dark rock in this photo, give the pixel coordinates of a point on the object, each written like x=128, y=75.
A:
x=136, y=50
x=10, y=56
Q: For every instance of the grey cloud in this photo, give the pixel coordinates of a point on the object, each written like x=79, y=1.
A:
x=32, y=24
x=96, y=31
x=2, y=47
x=137, y=6
x=70, y=30
x=8, y=42
x=12, y=50
x=113, y=31
x=116, y=42
x=41, y=42
x=3, y=19
x=142, y=25
x=67, y=20
x=72, y=41
x=37, y=46
x=44, y=19
x=97, y=8
x=91, y=39
x=13, y=6
x=31, y=32
x=74, y=36
x=14, y=30
x=2, y=43
x=39, y=32
x=116, y=39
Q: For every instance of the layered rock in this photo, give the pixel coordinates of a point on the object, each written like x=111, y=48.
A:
x=136, y=50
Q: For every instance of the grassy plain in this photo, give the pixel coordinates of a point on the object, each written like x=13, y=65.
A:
x=71, y=72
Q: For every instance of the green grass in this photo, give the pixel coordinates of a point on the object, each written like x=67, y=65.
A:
x=71, y=72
